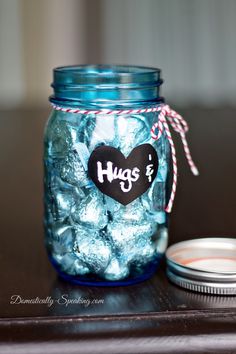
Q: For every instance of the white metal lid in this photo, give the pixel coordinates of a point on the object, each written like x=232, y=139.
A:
x=206, y=265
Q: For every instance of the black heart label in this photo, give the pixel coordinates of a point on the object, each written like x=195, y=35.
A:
x=123, y=179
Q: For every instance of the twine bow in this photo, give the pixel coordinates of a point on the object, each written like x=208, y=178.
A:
x=180, y=126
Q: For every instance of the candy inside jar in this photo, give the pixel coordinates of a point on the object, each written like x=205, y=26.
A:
x=106, y=178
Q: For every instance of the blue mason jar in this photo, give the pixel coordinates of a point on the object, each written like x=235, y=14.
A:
x=106, y=179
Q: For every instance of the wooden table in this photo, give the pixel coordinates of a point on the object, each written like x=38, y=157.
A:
x=151, y=317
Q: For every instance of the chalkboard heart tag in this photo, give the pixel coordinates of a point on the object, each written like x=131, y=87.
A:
x=123, y=179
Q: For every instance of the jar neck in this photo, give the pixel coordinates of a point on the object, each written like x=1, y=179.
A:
x=106, y=86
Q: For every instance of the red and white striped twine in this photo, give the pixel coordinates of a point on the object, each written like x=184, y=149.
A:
x=166, y=115
x=180, y=126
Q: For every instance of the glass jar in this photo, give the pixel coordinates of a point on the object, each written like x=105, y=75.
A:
x=105, y=178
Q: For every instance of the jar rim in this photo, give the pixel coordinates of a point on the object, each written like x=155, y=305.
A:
x=97, y=74
x=106, y=83
x=99, y=69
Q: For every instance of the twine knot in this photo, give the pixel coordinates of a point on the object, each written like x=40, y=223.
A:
x=181, y=127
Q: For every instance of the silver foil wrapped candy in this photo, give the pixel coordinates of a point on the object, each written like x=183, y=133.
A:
x=62, y=136
x=63, y=237
x=72, y=170
x=92, y=250
x=132, y=241
x=91, y=211
x=63, y=198
x=116, y=270
x=130, y=213
x=70, y=264
x=131, y=131
x=102, y=132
